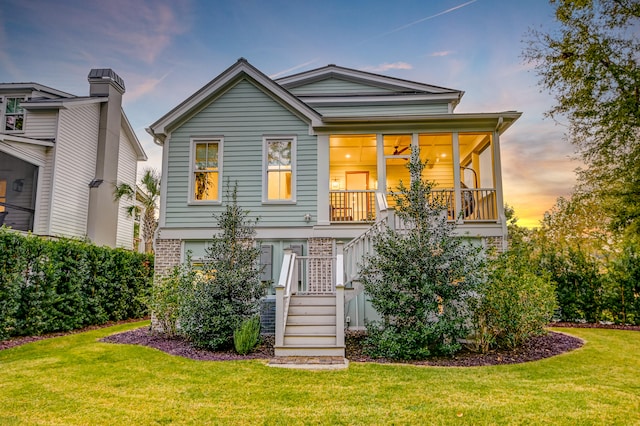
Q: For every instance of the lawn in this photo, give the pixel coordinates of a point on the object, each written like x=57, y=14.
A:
x=77, y=380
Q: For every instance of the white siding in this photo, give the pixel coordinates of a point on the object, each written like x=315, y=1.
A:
x=75, y=166
x=43, y=200
x=127, y=169
x=41, y=124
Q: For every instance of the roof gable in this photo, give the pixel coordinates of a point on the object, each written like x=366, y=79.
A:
x=334, y=86
x=237, y=72
x=369, y=82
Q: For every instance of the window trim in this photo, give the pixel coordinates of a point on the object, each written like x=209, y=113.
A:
x=3, y=113
x=192, y=169
x=265, y=164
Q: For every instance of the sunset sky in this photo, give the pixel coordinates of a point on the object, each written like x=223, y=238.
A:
x=166, y=50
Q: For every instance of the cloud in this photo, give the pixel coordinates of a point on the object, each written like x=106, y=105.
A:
x=537, y=167
x=387, y=66
x=141, y=30
x=142, y=86
x=289, y=70
x=411, y=24
x=442, y=53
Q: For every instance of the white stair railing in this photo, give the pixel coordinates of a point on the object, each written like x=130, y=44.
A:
x=284, y=290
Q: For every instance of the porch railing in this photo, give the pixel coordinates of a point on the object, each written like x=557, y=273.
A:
x=478, y=205
x=315, y=274
x=311, y=275
x=352, y=206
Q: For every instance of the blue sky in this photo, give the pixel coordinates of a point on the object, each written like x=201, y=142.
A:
x=166, y=50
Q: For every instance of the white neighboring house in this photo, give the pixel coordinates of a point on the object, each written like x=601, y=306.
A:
x=60, y=156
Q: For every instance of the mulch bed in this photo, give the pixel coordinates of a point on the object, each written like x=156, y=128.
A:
x=536, y=348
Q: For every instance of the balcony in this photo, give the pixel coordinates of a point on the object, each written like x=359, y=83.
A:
x=477, y=205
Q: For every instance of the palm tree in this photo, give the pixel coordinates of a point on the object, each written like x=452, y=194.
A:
x=147, y=196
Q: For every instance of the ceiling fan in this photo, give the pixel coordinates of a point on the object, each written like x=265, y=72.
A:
x=398, y=152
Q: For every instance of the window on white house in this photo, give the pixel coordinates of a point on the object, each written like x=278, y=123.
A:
x=3, y=195
x=13, y=114
x=206, y=170
x=279, y=169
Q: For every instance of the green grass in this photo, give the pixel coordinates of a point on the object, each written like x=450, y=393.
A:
x=77, y=380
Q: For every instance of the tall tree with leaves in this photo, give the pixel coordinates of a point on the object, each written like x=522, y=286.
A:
x=420, y=281
x=229, y=289
x=591, y=65
x=150, y=185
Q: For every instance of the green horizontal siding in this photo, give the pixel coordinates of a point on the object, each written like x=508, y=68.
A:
x=242, y=116
x=335, y=85
x=386, y=110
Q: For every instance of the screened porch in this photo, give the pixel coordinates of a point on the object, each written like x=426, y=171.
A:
x=461, y=167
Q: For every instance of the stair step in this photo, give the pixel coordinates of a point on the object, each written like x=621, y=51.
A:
x=312, y=310
x=311, y=320
x=312, y=300
x=308, y=350
x=310, y=340
x=310, y=329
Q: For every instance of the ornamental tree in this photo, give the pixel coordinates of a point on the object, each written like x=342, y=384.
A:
x=420, y=280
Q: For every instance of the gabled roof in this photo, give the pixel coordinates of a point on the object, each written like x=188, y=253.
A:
x=33, y=87
x=242, y=69
x=367, y=78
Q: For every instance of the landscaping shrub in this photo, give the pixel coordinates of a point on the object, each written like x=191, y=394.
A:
x=165, y=299
x=228, y=289
x=514, y=304
x=246, y=337
x=60, y=285
x=420, y=281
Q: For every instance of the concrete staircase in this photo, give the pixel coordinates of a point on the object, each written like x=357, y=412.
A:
x=310, y=330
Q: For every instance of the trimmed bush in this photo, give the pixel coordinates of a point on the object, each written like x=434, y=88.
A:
x=61, y=285
x=227, y=290
x=514, y=304
x=165, y=298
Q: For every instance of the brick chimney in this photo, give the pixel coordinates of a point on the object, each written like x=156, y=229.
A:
x=102, y=223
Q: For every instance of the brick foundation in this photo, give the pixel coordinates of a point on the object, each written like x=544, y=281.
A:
x=496, y=244
x=167, y=255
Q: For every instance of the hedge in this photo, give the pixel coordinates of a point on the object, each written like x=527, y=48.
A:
x=60, y=285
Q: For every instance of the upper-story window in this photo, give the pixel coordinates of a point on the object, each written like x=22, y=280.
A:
x=206, y=169
x=13, y=115
x=279, y=169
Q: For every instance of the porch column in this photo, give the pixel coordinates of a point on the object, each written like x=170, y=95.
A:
x=323, y=180
x=339, y=294
x=457, y=193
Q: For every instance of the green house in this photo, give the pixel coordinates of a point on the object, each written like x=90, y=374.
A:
x=316, y=156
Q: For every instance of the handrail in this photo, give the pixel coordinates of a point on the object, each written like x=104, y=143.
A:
x=284, y=291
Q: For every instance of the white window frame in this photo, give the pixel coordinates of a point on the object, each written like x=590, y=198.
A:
x=265, y=165
x=3, y=113
x=192, y=169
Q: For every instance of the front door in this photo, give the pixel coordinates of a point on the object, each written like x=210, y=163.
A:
x=357, y=199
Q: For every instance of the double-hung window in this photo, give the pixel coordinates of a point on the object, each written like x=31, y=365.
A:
x=279, y=169
x=13, y=115
x=206, y=169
